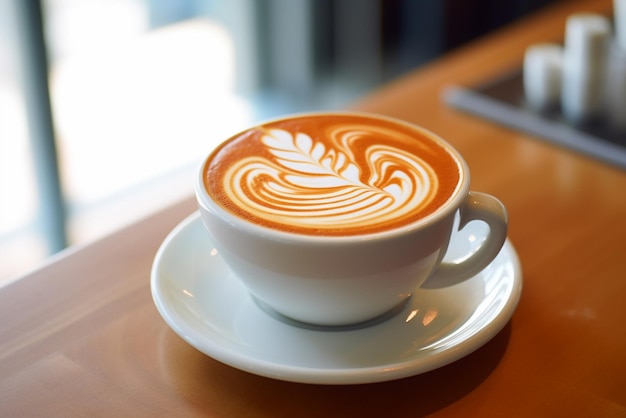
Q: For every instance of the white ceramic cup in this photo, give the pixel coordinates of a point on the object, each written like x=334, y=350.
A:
x=341, y=280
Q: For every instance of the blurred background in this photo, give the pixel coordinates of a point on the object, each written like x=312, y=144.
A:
x=107, y=106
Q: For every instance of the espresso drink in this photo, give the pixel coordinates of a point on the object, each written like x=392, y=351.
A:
x=332, y=174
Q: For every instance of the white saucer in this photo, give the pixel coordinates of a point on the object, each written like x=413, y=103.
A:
x=209, y=308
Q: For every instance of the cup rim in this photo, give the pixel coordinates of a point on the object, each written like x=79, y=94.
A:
x=450, y=205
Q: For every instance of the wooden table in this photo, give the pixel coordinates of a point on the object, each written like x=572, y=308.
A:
x=81, y=336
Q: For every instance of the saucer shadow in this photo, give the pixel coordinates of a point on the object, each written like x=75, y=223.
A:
x=207, y=384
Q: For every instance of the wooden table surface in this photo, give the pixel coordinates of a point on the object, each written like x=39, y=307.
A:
x=81, y=336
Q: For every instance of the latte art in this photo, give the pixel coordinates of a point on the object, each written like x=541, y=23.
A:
x=354, y=178
x=308, y=185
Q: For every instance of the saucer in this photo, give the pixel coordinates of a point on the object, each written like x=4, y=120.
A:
x=205, y=304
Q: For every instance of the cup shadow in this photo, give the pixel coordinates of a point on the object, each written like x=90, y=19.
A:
x=205, y=383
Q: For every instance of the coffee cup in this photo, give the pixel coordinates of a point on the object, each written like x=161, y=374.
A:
x=337, y=218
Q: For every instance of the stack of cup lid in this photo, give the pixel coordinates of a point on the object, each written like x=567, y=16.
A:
x=587, y=76
x=585, y=59
x=543, y=74
x=616, y=98
x=620, y=23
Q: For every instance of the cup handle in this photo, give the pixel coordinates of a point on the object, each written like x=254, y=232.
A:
x=481, y=207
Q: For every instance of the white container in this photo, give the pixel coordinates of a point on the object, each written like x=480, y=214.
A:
x=585, y=67
x=543, y=74
x=619, y=11
x=616, y=88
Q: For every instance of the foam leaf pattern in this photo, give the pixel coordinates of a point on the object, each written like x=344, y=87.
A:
x=300, y=155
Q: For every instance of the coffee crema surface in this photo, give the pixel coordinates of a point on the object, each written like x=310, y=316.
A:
x=332, y=174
